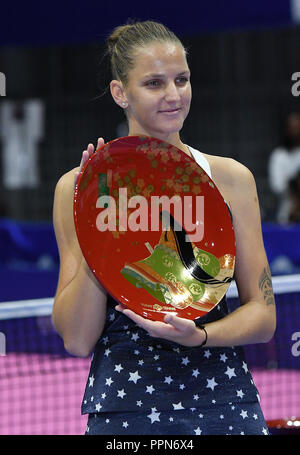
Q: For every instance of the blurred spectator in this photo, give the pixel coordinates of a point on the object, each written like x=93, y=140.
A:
x=21, y=128
x=294, y=193
x=284, y=166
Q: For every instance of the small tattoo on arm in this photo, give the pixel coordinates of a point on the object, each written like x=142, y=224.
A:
x=265, y=285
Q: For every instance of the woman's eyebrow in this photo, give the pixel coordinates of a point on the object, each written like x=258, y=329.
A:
x=181, y=73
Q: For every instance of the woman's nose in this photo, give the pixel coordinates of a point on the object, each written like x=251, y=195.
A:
x=172, y=93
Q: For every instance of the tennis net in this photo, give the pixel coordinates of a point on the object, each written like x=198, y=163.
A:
x=41, y=385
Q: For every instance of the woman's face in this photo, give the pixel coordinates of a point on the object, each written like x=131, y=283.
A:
x=158, y=91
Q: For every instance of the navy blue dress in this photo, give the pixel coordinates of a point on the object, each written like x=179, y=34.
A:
x=140, y=385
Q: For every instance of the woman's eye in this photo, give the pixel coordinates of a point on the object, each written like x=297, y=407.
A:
x=182, y=80
x=154, y=83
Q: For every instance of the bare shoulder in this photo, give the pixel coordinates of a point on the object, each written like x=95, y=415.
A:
x=228, y=170
x=233, y=178
x=65, y=184
x=63, y=211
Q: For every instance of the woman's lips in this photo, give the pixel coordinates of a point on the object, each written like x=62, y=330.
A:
x=170, y=111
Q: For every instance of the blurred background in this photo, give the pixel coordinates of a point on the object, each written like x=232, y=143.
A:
x=245, y=63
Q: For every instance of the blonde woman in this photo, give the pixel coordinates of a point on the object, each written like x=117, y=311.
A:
x=171, y=377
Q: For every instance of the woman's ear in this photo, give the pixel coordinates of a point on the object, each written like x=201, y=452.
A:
x=117, y=92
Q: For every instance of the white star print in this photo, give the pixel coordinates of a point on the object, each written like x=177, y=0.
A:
x=135, y=336
x=139, y=403
x=98, y=407
x=112, y=317
x=156, y=357
x=185, y=360
x=195, y=373
x=105, y=340
x=107, y=352
x=103, y=396
x=118, y=368
x=121, y=393
x=264, y=431
x=244, y=414
x=223, y=357
x=207, y=353
x=182, y=386
x=245, y=367
x=91, y=379
x=109, y=381
x=154, y=416
x=196, y=397
x=177, y=406
x=140, y=362
x=168, y=379
x=150, y=389
x=255, y=417
x=197, y=431
x=211, y=383
x=134, y=377
x=125, y=424
x=240, y=393
x=230, y=372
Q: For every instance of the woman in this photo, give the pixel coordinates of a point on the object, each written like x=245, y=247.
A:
x=173, y=376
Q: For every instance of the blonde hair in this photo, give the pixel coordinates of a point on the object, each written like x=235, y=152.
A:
x=125, y=39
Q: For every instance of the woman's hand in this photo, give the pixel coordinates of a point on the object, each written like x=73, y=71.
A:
x=86, y=154
x=179, y=330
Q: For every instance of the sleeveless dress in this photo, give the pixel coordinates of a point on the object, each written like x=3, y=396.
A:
x=140, y=385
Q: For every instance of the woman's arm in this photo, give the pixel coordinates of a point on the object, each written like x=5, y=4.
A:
x=79, y=308
x=255, y=320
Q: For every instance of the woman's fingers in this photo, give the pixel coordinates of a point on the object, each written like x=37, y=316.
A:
x=100, y=142
x=179, y=323
x=86, y=154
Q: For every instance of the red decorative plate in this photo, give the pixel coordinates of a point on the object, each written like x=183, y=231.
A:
x=154, y=228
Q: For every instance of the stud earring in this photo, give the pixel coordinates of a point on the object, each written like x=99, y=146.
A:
x=124, y=104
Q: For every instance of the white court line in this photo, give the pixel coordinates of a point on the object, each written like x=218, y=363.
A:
x=43, y=307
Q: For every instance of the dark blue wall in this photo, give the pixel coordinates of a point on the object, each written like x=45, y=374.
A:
x=38, y=23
